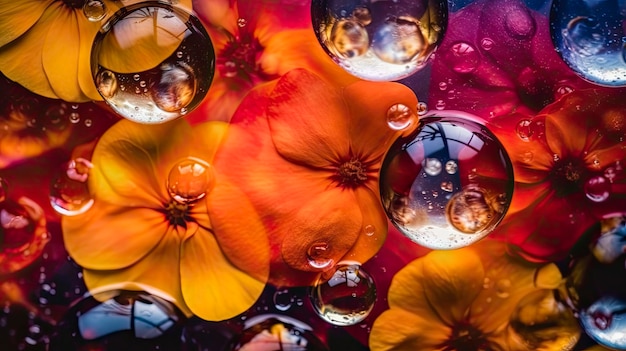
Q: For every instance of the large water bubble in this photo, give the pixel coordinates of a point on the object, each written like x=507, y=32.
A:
x=449, y=183
x=276, y=332
x=590, y=36
x=380, y=40
x=347, y=297
x=152, y=62
x=120, y=320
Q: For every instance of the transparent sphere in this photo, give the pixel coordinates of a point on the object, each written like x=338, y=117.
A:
x=380, y=40
x=347, y=297
x=596, y=285
x=449, y=183
x=276, y=332
x=69, y=193
x=120, y=320
x=190, y=180
x=590, y=37
x=152, y=62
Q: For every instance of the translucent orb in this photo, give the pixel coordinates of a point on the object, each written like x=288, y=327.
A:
x=69, y=193
x=449, y=183
x=347, y=297
x=94, y=10
x=380, y=40
x=120, y=320
x=590, y=37
x=190, y=180
x=596, y=285
x=276, y=332
x=152, y=62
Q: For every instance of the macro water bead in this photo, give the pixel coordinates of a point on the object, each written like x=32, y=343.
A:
x=590, y=36
x=380, y=40
x=152, y=62
x=448, y=184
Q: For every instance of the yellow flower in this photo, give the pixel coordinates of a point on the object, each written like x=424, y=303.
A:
x=257, y=41
x=472, y=299
x=45, y=45
x=137, y=234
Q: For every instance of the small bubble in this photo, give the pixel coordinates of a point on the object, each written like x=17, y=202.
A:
x=69, y=192
x=523, y=129
x=190, y=180
x=432, y=166
x=503, y=288
x=362, y=15
x=369, y=230
x=447, y=187
x=452, y=167
x=283, y=299
x=94, y=10
x=422, y=108
x=136, y=77
x=463, y=58
x=241, y=22
x=597, y=189
x=487, y=44
x=440, y=105
x=443, y=86
x=106, y=81
x=400, y=117
x=316, y=255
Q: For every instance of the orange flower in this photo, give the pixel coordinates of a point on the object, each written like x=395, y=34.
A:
x=46, y=45
x=137, y=235
x=257, y=41
x=475, y=298
x=308, y=155
x=568, y=164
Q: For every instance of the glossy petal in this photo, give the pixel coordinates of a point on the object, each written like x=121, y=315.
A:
x=87, y=33
x=16, y=17
x=302, y=101
x=111, y=237
x=158, y=271
x=400, y=330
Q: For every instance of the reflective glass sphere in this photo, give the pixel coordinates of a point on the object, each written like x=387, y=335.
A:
x=449, y=183
x=380, y=40
x=152, y=62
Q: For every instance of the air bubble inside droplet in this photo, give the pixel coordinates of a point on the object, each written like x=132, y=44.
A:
x=346, y=298
x=160, y=54
x=380, y=40
x=455, y=208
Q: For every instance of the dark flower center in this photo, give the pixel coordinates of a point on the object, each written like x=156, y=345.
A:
x=465, y=337
x=567, y=175
x=352, y=173
x=75, y=4
x=239, y=58
x=177, y=213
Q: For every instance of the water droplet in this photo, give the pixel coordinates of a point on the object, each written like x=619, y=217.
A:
x=400, y=117
x=588, y=35
x=275, y=332
x=503, y=288
x=283, y=299
x=346, y=298
x=486, y=44
x=94, y=10
x=159, y=84
x=524, y=130
x=69, y=192
x=422, y=108
x=597, y=189
x=474, y=197
x=369, y=230
x=241, y=22
x=190, y=180
x=376, y=41
x=440, y=105
x=443, y=86
x=463, y=57
x=316, y=255
x=432, y=166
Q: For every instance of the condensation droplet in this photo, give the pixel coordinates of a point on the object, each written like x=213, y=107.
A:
x=422, y=108
x=400, y=117
x=94, y=10
x=190, y=180
x=503, y=288
x=486, y=44
x=369, y=230
x=524, y=130
x=69, y=191
x=597, y=189
x=316, y=255
x=241, y=22
x=463, y=57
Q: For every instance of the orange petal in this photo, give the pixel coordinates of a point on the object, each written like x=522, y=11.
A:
x=309, y=120
x=159, y=271
x=212, y=287
x=16, y=17
x=21, y=61
x=87, y=33
x=60, y=61
x=440, y=285
x=368, y=103
x=400, y=330
x=112, y=237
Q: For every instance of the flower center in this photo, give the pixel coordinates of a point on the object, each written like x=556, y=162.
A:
x=239, y=58
x=352, y=173
x=75, y=4
x=177, y=213
x=467, y=338
x=567, y=176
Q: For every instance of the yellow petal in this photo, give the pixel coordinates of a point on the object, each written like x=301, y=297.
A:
x=16, y=17
x=21, y=61
x=159, y=270
x=112, y=237
x=400, y=330
x=87, y=33
x=61, y=50
x=212, y=287
x=548, y=277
